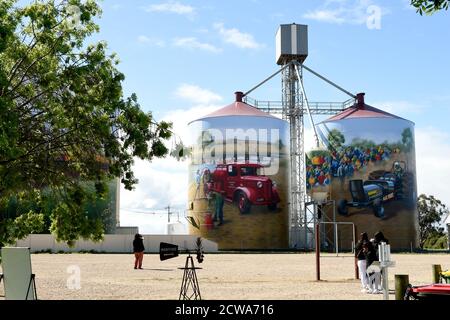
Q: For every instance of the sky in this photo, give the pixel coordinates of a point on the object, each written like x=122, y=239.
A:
x=185, y=59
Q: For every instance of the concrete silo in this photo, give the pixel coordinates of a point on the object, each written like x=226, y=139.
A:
x=370, y=173
x=240, y=156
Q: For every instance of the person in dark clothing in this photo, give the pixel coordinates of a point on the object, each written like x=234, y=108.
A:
x=138, y=249
x=361, y=260
x=373, y=273
x=378, y=239
x=369, y=253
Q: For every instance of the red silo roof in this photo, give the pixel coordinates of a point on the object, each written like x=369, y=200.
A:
x=238, y=108
x=362, y=110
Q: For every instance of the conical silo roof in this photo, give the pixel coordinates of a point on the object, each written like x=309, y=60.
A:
x=362, y=110
x=237, y=108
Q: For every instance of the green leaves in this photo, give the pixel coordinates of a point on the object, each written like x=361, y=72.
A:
x=335, y=138
x=431, y=211
x=430, y=6
x=28, y=223
x=63, y=117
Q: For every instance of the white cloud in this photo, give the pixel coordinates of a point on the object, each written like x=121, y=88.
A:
x=343, y=11
x=171, y=7
x=161, y=182
x=400, y=108
x=331, y=16
x=197, y=95
x=433, y=167
x=202, y=30
x=193, y=43
x=164, y=181
x=151, y=41
x=237, y=38
x=116, y=7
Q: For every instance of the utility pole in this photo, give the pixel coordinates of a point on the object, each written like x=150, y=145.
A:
x=168, y=213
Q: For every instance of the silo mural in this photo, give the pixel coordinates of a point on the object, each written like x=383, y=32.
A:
x=369, y=170
x=238, y=178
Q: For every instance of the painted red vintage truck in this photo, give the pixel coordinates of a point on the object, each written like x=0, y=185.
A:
x=245, y=185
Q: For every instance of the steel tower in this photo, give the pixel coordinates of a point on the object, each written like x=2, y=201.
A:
x=291, y=52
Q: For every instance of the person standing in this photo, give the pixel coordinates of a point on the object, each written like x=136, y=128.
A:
x=360, y=256
x=138, y=249
x=372, y=268
x=219, y=202
x=378, y=239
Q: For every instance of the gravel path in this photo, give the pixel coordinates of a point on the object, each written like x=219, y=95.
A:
x=224, y=276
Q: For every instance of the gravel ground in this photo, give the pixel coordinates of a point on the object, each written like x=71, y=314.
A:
x=224, y=276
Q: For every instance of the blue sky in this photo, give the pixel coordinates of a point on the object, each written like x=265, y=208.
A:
x=163, y=45
x=186, y=58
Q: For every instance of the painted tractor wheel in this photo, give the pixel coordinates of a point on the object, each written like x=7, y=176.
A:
x=272, y=207
x=243, y=203
x=342, y=207
x=378, y=209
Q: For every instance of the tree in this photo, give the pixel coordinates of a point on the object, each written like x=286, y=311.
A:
x=407, y=139
x=63, y=117
x=430, y=6
x=431, y=211
x=335, y=138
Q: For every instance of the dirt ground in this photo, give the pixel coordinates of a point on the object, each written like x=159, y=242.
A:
x=224, y=276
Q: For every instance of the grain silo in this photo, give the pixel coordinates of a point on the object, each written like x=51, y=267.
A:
x=240, y=155
x=370, y=173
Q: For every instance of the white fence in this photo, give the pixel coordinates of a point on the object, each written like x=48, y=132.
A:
x=113, y=243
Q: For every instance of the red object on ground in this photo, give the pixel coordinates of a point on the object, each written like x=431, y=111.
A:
x=209, y=221
x=433, y=289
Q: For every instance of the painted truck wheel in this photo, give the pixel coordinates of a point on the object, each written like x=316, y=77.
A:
x=243, y=203
x=342, y=207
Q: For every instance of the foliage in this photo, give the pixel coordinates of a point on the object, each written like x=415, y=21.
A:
x=431, y=211
x=318, y=153
x=40, y=211
x=336, y=138
x=180, y=151
x=63, y=117
x=430, y=6
x=407, y=139
x=436, y=241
